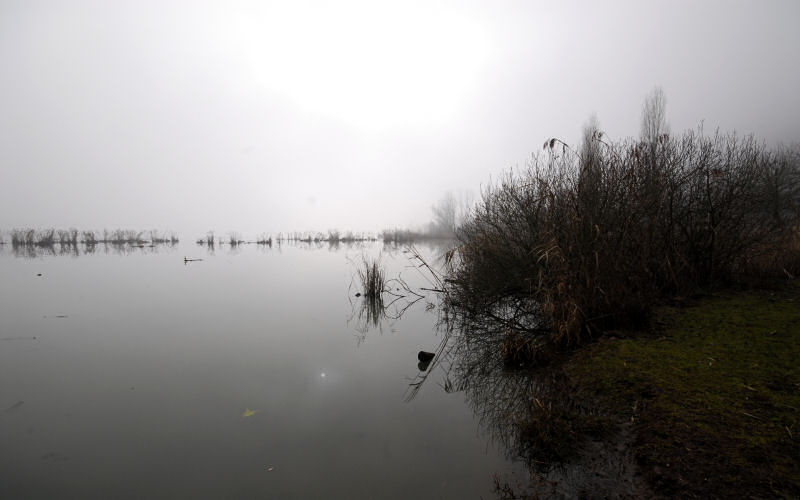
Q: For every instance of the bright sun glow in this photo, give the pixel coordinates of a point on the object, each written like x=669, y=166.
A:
x=367, y=64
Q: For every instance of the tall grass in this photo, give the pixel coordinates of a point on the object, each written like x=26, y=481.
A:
x=372, y=310
x=372, y=278
x=208, y=240
x=157, y=238
x=234, y=239
x=591, y=239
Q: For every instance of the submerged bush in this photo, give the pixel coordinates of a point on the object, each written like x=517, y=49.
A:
x=589, y=239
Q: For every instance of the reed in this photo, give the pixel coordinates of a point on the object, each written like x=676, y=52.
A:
x=157, y=238
x=69, y=239
x=372, y=278
x=208, y=240
x=234, y=239
x=264, y=239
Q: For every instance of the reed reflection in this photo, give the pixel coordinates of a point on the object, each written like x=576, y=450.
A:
x=378, y=299
x=524, y=403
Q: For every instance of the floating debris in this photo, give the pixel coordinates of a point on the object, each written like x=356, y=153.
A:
x=248, y=413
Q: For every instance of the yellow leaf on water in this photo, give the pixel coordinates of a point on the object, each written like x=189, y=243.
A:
x=249, y=413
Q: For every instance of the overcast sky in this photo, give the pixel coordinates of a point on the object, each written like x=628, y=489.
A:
x=267, y=117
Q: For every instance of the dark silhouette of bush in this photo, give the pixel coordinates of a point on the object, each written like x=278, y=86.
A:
x=591, y=239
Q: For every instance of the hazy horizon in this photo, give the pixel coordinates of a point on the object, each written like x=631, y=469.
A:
x=309, y=116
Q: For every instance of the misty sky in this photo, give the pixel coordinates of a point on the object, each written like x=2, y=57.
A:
x=267, y=117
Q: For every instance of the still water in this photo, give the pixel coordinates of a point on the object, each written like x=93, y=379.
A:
x=249, y=374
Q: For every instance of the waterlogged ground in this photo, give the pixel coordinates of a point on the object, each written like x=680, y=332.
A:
x=249, y=374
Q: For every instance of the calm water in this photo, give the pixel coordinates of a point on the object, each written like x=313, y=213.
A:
x=246, y=375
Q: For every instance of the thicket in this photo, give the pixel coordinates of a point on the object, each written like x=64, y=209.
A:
x=588, y=239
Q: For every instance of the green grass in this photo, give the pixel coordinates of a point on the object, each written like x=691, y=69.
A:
x=714, y=393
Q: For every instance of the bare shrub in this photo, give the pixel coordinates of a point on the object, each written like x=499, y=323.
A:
x=592, y=239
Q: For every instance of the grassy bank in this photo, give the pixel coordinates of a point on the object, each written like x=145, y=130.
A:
x=713, y=392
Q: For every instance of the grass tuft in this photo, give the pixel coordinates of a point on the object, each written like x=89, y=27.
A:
x=372, y=278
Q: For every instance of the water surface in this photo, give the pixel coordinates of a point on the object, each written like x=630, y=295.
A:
x=248, y=374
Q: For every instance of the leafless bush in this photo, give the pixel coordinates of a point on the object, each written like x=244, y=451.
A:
x=595, y=238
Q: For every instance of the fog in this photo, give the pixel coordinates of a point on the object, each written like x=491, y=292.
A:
x=352, y=115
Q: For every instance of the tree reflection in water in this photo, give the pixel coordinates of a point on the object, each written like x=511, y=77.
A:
x=523, y=400
x=533, y=412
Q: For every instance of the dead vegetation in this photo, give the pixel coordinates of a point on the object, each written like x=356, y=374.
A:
x=583, y=240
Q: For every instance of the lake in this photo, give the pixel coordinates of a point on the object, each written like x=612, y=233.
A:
x=249, y=374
